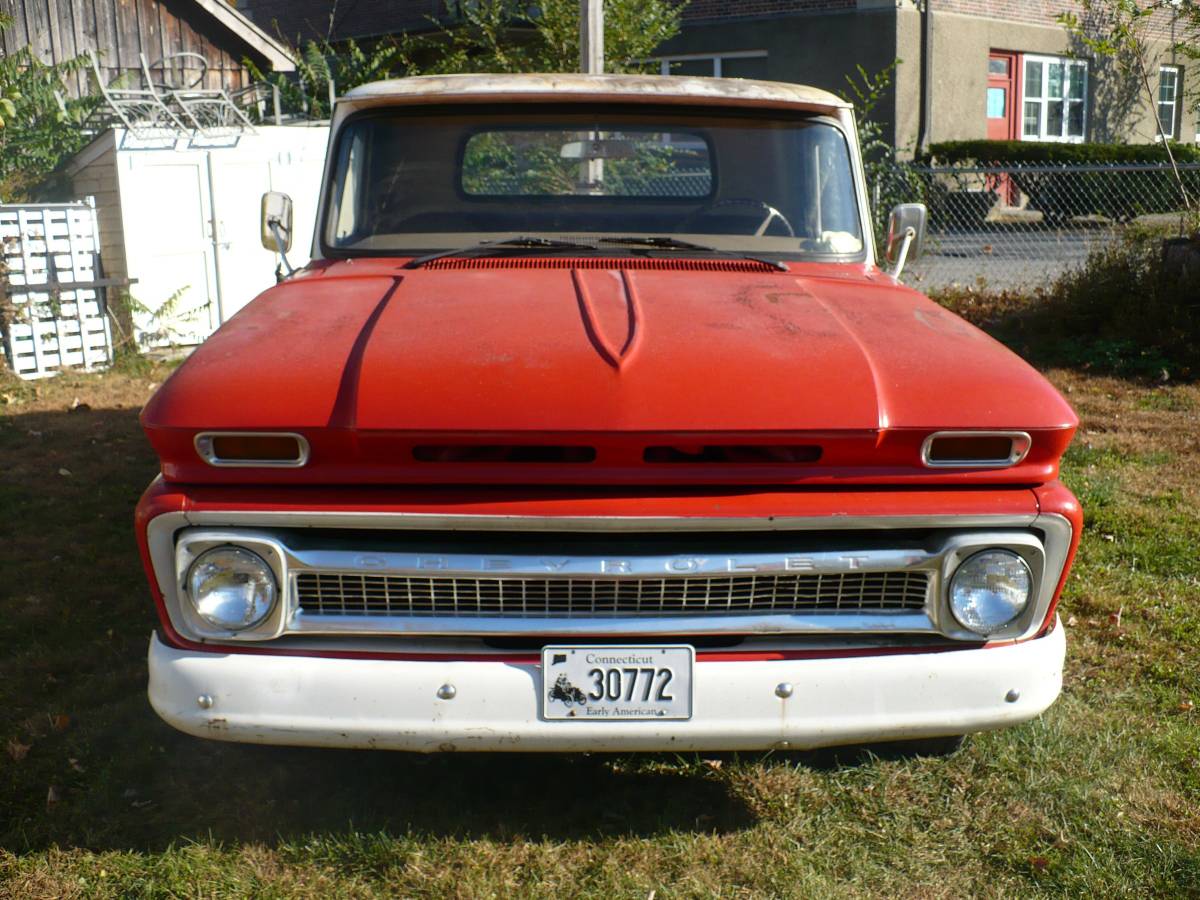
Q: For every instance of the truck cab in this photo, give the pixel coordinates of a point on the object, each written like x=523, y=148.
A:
x=593, y=424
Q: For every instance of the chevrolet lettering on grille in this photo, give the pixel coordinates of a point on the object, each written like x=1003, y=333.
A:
x=676, y=565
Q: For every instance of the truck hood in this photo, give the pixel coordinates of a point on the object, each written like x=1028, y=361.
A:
x=524, y=349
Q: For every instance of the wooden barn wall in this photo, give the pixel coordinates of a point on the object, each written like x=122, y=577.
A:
x=119, y=30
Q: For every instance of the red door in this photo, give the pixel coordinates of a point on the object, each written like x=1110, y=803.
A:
x=1003, y=99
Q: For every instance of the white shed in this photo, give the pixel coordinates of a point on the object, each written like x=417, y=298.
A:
x=181, y=219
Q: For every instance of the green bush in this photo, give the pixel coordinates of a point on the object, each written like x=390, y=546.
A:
x=1123, y=311
x=37, y=132
x=1124, y=297
x=1067, y=194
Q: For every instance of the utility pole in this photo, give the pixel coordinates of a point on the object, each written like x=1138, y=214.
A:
x=591, y=37
x=591, y=62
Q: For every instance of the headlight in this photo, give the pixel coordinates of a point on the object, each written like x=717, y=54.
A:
x=989, y=590
x=231, y=588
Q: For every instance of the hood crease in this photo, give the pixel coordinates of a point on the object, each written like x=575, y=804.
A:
x=594, y=322
x=881, y=405
x=345, y=405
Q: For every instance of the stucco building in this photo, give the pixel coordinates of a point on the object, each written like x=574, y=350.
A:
x=1002, y=69
x=968, y=68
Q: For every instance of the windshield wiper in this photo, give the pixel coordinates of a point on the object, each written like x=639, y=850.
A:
x=530, y=242
x=498, y=248
x=662, y=242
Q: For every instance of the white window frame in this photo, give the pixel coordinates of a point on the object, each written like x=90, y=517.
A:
x=1177, y=71
x=1072, y=68
x=664, y=62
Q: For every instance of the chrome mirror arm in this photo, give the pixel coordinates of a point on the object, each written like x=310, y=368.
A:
x=910, y=235
x=280, y=243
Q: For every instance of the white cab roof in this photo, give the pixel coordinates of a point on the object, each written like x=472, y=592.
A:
x=534, y=88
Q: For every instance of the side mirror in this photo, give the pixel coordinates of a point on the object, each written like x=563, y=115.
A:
x=277, y=222
x=905, y=235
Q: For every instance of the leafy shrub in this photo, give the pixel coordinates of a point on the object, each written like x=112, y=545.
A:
x=1123, y=311
x=1124, y=297
x=479, y=36
x=319, y=63
x=37, y=133
x=888, y=182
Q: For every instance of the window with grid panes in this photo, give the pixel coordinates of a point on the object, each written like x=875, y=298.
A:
x=1054, y=98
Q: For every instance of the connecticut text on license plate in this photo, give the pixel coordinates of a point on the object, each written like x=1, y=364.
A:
x=597, y=683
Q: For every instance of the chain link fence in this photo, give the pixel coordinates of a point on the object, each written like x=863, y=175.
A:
x=1019, y=226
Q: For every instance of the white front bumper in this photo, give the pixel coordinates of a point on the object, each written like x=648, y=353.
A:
x=393, y=704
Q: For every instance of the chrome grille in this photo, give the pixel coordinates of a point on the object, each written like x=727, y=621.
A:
x=342, y=594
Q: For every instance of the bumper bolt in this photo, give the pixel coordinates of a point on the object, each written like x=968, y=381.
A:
x=204, y=701
x=1012, y=696
x=447, y=692
x=783, y=690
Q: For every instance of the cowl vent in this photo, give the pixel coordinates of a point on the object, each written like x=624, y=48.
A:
x=600, y=262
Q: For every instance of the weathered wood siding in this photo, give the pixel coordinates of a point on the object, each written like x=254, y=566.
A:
x=119, y=31
x=98, y=179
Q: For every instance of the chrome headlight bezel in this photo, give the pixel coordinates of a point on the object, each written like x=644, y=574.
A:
x=1032, y=556
x=1020, y=572
x=241, y=563
x=185, y=612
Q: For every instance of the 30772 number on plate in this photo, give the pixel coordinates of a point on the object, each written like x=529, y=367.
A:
x=599, y=683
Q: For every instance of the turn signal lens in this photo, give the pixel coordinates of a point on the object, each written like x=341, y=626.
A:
x=990, y=590
x=948, y=449
x=965, y=449
x=237, y=449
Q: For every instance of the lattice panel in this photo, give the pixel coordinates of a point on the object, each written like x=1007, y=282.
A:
x=45, y=330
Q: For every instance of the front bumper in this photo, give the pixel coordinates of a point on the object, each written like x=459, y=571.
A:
x=393, y=704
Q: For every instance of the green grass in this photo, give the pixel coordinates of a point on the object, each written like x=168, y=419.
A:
x=1100, y=796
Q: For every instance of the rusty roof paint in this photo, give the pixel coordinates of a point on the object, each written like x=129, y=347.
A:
x=427, y=89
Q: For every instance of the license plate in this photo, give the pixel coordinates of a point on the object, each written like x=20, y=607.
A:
x=617, y=683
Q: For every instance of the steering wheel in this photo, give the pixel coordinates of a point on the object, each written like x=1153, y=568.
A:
x=771, y=214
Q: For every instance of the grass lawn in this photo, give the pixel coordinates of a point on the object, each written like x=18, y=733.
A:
x=1100, y=797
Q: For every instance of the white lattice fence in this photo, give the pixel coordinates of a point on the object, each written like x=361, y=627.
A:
x=50, y=263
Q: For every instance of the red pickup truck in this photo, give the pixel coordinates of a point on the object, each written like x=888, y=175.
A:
x=592, y=424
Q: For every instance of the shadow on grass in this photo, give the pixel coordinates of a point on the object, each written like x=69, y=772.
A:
x=170, y=788
x=99, y=770
x=88, y=764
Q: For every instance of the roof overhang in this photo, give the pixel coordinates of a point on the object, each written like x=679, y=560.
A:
x=443, y=89
x=274, y=52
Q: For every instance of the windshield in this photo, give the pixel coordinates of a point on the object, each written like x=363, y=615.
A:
x=620, y=180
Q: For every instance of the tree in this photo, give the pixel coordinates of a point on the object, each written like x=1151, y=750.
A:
x=888, y=182
x=483, y=36
x=503, y=36
x=1118, y=30
x=39, y=123
x=8, y=95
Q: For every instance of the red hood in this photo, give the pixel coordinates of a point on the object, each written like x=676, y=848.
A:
x=366, y=348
